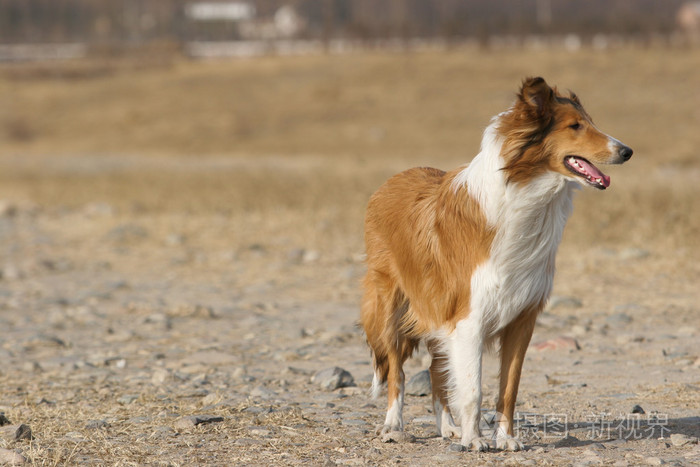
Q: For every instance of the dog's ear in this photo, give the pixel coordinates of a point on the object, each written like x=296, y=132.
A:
x=536, y=94
x=574, y=98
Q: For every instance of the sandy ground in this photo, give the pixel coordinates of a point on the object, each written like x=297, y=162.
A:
x=116, y=325
x=174, y=310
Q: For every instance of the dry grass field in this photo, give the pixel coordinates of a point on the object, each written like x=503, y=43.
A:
x=185, y=238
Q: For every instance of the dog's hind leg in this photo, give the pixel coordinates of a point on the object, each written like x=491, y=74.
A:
x=446, y=426
x=395, y=394
x=382, y=309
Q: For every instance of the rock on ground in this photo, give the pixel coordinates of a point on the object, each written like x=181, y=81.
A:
x=333, y=378
x=419, y=384
x=8, y=457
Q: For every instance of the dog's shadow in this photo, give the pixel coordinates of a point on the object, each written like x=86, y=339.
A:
x=558, y=432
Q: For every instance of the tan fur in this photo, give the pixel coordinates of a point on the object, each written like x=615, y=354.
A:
x=514, y=340
x=423, y=241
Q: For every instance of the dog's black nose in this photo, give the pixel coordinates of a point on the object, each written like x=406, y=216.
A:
x=625, y=152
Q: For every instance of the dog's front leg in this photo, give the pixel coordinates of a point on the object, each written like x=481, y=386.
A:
x=465, y=348
x=515, y=338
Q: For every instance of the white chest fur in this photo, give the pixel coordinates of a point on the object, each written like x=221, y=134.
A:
x=529, y=220
x=520, y=268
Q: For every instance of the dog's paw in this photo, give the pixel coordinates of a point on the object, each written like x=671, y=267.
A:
x=508, y=443
x=451, y=432
x=478, y=445
x=447, y=427
x=384, y=429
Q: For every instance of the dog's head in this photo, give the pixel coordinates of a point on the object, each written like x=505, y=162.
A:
x=545, y=131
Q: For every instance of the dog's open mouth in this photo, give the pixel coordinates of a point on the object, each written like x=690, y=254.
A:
x=589, y=172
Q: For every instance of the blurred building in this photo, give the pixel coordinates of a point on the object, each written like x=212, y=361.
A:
x=689, y=21
x=107, y=25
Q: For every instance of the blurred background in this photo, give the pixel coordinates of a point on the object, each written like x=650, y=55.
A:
x=166, y=163
x=302, y=108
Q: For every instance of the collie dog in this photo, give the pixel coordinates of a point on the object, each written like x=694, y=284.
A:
x=465, y=259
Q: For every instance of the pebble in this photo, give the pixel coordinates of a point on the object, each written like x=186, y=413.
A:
x=680, y=439
x=11, y=272
x=239, y=373
x=194, y=420
x=162, y=432
x=419, y=384
x=653, y=461
x=333, y=378
x=161, y=376
x=294, y=256
x=456, y=447
x=398, y=437
x=290, y=370
x=7, y=208
x=127, y=399
x=9, y=457
x=23, y=432
x=249, y=441
x=310, y=256
x=96, y=424
x=564, y=302
x=43, y=400
x=262, y=392
x=74, y=437
x=354, y=422
x=13, y=433
x=566, y=442
x=637, y=409
x=352, y=391
x=210, y=399
x=45, y=340
x=634, y=253
x=262, y=432
x=619, y=319
x=174, y=239
x=211, y=357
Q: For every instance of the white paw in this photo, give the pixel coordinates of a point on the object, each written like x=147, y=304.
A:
x=384, y=429
x=451, y=431
x=478, y=445
x=446, y=425
x=508, y=443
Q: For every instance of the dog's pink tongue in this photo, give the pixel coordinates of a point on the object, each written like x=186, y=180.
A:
x=593, y=171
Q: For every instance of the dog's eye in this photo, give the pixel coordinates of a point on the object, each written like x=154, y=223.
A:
x=575, y=126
